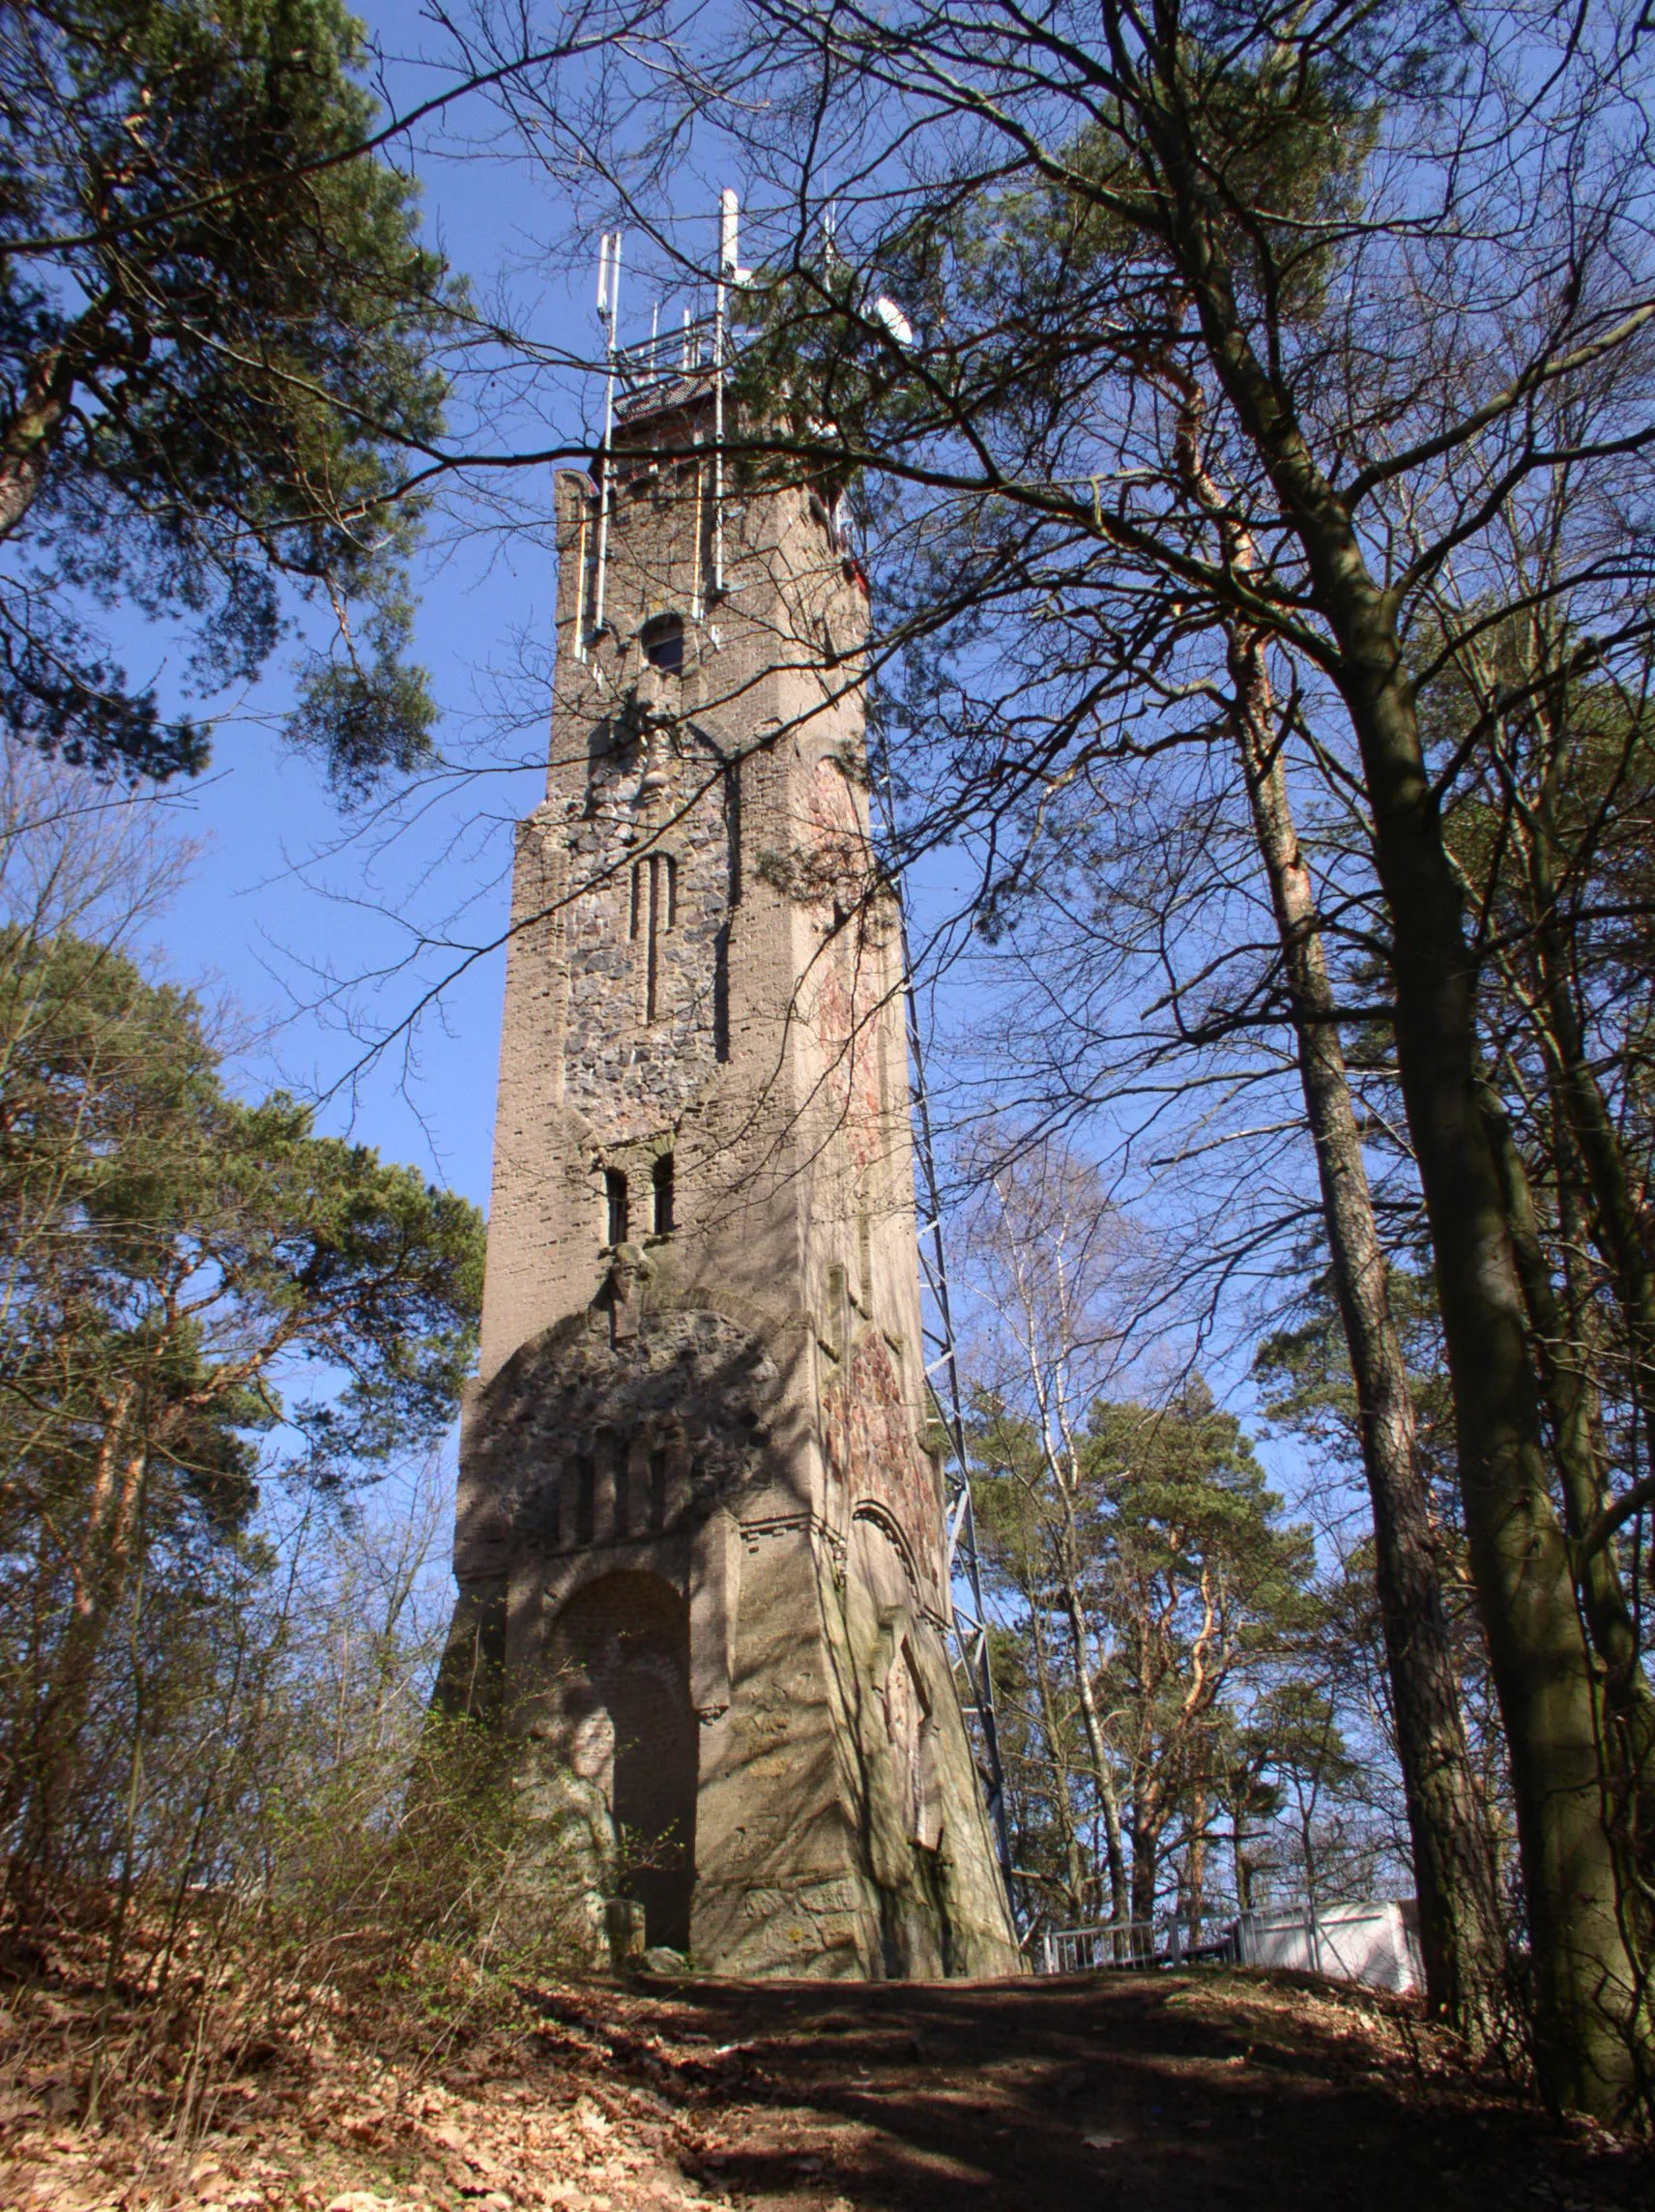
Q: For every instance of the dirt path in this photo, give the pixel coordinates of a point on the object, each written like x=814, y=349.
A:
x=1148, y=2092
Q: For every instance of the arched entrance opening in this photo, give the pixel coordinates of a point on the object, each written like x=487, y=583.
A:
x=620, y=1651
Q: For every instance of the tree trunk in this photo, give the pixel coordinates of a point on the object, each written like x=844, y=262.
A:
x=1578, y=1103
x=1460, y=1929
x=1617, y=1220
x=1052, y=1731
x=1628, y=1702
x=29, y=435
x=1197, y=1857
x=1452, y=1858
x=41, y=1783
x=1119, y=1897
x=1591, y=2019
x=1145, y=1860
x=1584, y=1981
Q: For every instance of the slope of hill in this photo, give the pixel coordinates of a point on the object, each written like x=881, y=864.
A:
x=1148, y=2093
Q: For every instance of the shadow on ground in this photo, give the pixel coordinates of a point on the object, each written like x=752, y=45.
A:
x=1147, y=2091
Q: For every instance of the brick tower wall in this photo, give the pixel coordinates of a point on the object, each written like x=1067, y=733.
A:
x=716, y=1402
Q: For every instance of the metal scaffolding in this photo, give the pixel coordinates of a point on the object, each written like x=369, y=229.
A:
x=969, y=1619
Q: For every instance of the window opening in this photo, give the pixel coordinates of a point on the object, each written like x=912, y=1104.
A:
x=652, y=960
x=732, y=826
x=661, y=1178
x=615, y=1195
x=721, y=994
x=654, y=913
x=583, y=573
x=585, y=1497
x=658, y=1492
x=662, y=641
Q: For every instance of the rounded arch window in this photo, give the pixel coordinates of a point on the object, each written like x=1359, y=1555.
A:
x=662, y=641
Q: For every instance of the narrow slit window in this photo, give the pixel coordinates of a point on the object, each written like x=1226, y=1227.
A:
x=637, y=898
x=658, y=1492
x=662, y=1177
x=615, y=1198
x=721, y=994
x=653, y=959
x=583, y=574
x=732, y=826
x=585, y=1497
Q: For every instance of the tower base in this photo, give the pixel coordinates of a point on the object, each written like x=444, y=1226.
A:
x=733, y=1715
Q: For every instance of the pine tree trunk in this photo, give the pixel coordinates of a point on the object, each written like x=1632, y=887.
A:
x=1588, y=2014
x=1197, y=1882
x=1592, y=2025
x=1452, y=1858
x=1460, y=1936
x=41, y=1783
x=1052, y=1731
x=1145, y=1860
x=29, y=433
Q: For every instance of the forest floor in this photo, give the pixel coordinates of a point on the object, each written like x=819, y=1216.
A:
x=1148, y=2092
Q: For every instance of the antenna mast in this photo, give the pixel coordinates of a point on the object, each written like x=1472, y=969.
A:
x=608, y=301
x=729, y=267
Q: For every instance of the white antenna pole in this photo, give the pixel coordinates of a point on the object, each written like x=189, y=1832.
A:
x=608, y=295
x=684, y=362
x=729, y=217
x=729, y=228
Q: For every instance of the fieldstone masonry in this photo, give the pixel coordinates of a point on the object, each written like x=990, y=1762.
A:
x=700, y=1539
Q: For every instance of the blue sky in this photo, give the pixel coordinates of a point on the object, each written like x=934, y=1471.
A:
x=290, y=900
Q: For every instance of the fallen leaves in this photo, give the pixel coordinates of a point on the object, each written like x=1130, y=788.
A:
x=519, y=2121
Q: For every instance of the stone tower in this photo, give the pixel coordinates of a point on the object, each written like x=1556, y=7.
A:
x=700, y=1532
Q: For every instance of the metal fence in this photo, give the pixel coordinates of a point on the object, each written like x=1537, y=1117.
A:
x=1371, y=1941
x=1086, y=1950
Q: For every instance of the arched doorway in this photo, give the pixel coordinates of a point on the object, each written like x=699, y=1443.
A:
x=619, y=1649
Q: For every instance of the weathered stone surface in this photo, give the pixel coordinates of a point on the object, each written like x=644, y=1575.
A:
x=700, y=1539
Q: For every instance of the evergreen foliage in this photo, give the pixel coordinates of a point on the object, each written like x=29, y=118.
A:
x=1199, y=1606
x=178, y=1264
x=220, y=341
